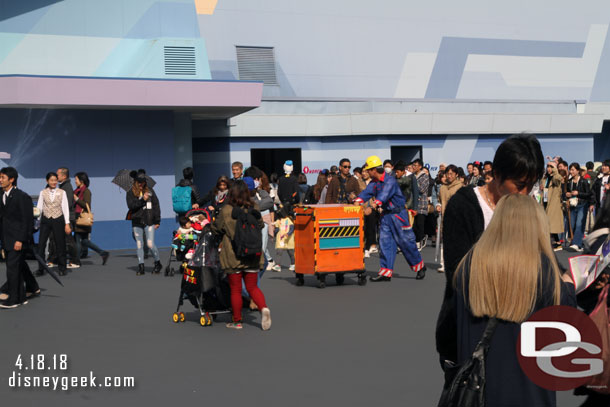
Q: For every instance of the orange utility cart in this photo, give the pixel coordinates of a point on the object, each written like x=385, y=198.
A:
x=329, y=239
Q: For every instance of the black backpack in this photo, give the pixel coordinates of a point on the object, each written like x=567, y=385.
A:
x=309, y=198
x=248, y=238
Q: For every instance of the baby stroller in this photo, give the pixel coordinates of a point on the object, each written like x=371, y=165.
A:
x=203, y=282
x=184, y=245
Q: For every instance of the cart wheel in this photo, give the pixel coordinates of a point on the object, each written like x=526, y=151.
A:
x=361, y=279
x=209, y=318
x=340, y=278
x=321, y=281
x=182, y=317
x=203, y=320
x=167, y=271
x=300, y=280
x=175, y=317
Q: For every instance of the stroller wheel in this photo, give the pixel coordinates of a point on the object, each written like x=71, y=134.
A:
x=203, y=320
x=175, y=317
x=167, y=270
x=182, y=317
x=209, y=319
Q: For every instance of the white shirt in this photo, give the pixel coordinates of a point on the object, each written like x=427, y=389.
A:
x=6, y=194
x=53, y=193
x=487, y=211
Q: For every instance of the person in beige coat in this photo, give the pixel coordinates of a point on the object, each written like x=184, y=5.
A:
x=551, y=199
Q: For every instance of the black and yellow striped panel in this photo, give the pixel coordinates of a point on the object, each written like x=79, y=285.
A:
x=340, y=231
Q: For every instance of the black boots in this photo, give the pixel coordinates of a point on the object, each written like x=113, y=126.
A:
x=140, y=271
x=158, y=267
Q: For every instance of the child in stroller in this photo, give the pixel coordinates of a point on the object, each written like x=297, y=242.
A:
x=186, y=238
x=203, y=283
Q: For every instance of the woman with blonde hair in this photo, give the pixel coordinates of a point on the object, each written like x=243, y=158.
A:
x=510, y=273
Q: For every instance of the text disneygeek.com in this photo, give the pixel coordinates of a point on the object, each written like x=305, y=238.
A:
x=25, y=377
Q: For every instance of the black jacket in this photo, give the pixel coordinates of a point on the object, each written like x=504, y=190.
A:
x=463, y=224
x=140, y=216
x=585, y=197
x=506, y=384
x=288, y=190
x=596, y=189
x=16, y=219
x=194, y=190
x=67, y=186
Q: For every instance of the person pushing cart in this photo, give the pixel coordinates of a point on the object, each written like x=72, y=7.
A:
x=395, y=229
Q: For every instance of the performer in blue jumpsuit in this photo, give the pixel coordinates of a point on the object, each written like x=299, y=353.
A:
x=395, y=228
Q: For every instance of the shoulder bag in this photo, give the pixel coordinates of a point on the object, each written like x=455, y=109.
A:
x=86, y=218
x=465, y=383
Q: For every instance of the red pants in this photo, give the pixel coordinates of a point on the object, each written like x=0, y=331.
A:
x=250, y=279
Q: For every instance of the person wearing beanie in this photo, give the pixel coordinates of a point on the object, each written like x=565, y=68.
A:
x=288, y=186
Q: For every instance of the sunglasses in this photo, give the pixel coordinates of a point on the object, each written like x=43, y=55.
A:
x=347, y=166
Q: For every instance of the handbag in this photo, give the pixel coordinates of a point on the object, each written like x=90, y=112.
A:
x=465, y=383
x=573, y=202
x=600, y=383
x=86, y=218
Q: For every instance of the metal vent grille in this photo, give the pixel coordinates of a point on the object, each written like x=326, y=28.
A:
x=180, y=61
x=256, y=64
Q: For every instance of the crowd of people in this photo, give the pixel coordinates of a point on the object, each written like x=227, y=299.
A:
x=63, y=221
x=499, y=224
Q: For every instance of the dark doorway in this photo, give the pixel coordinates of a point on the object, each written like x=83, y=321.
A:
x=406, y=153
x=272, y=160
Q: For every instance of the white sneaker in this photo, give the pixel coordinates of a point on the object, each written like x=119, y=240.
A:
x=575, y=248
x=73, y=266
x=367, y=254
x=424, y=241
x=276, y=267
x=291, y=268
x=266, y=320
x=373, y=249
x=270, y=266
x=441, y=269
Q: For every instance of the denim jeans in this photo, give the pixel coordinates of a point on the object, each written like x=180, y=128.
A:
x=139, y=233
x=266, y=242
x=82, y=239
x=578, y=219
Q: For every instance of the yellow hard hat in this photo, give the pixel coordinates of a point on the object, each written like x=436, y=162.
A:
x=373, y=162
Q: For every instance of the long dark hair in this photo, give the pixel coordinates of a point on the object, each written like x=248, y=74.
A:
x=320, y=184
x=239, y=195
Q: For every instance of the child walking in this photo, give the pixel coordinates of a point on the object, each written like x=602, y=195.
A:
x=284, y=237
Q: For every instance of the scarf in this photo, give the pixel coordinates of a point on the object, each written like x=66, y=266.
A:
x=80, y=192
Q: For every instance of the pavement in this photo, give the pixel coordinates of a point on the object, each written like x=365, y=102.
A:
x=344, y=345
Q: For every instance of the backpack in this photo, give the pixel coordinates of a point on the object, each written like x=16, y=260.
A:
x=309, y=198
x=248, y=238
x=181, y=199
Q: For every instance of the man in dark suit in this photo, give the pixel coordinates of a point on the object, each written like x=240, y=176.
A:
x=16, y=226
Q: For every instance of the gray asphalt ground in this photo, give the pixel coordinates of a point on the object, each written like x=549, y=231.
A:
x=339, y=346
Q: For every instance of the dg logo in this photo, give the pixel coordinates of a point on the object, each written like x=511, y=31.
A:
x=559, y=348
